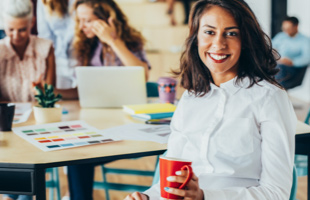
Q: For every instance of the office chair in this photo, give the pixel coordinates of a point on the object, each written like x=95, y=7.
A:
x=294, y=185
x=301, y=161
x=53, y=183
x=152, y=91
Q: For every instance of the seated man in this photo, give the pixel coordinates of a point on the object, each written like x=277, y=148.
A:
x=294, y=49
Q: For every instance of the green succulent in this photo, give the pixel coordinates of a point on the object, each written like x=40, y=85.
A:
x=47, y=98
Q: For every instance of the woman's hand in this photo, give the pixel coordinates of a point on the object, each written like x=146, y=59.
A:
x=38, y=83
x=105, y=31
x=136, y=196
x=191, y=191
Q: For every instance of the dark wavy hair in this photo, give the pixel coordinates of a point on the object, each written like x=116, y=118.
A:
x=257, y=59
x=103, y=9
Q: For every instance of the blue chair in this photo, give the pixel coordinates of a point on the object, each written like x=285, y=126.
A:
x=53, y=183
x=301, y=161
x=152, y=91
x=294, y=185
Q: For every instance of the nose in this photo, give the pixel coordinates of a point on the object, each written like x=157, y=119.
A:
x=15, y=34
x=81, y=25
x=219, y=42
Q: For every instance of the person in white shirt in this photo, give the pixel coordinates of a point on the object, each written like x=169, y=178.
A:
x=235, y=122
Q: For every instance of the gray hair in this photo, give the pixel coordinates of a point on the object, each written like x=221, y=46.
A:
x=18, y=8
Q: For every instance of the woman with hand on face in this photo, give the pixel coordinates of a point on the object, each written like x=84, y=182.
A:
x=102, y=38
x=234, y=122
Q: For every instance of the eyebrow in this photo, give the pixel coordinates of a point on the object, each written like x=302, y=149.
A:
x=227, y=28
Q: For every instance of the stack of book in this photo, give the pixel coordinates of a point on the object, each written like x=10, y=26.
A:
x=150, y=111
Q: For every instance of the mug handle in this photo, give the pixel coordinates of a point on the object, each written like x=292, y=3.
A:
x=189, y=175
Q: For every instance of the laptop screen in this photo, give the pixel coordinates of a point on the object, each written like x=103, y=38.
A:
x=110, y=86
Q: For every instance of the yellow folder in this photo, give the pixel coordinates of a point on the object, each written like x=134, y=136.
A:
x=149, y=108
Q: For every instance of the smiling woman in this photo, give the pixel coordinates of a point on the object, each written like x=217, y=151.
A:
x=234, y=122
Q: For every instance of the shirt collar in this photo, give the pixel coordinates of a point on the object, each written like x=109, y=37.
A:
x=231, y=86
x=30, y=48
x=11, y=52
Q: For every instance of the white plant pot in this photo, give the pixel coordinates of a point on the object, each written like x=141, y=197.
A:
x=47, y=115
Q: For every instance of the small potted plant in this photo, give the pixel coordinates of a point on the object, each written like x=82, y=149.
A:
x=47, y=111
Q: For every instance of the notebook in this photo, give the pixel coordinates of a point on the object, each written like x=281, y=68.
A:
x=107, y=87
x=147, y=116
x=149, y=108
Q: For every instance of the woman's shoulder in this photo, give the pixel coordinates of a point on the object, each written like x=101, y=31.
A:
x=41, y=46
x=3, y=45
x=267, y=86
x=41, y=41
x=266, y=89
x=5, y=49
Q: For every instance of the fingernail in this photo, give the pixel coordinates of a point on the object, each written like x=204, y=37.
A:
x=166, y=188
x=169, y=178
x=178, y=173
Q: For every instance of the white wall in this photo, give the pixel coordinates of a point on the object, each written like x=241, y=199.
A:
x=262, y=10
x=300, y=9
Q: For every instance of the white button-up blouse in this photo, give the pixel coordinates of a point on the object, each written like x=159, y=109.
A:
x=241, y=141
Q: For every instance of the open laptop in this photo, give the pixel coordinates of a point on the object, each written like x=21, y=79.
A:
x=110, y=86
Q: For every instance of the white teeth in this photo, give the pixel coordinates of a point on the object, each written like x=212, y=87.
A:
x=218, y=57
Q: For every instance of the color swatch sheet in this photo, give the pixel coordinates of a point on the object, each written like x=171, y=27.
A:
x=62, y=135
x=22, y=112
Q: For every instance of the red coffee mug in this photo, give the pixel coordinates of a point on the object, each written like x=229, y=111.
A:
x=167, y=167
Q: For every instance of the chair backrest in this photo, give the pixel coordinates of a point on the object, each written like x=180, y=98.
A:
x=294, y=185
x=307, y=118
x=152, y=89
x=156, y=173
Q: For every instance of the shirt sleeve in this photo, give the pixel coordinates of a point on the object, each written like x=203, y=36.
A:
x=44, y=30
x=175, y=145
x=142, y=56
x=303, y=59
x=277, y=127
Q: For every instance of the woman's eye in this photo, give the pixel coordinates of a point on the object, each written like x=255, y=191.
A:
x=232, y=34
x=209, y=32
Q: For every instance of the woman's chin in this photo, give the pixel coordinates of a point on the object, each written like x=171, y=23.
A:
x=89, y=35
